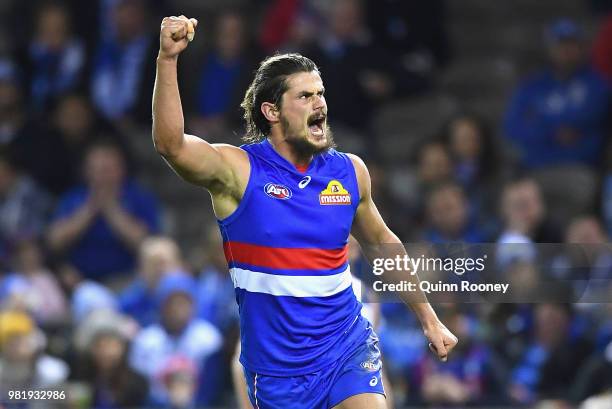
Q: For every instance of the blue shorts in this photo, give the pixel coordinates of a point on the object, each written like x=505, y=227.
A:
x=360, y=372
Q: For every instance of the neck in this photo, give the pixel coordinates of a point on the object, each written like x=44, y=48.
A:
x=288, y=151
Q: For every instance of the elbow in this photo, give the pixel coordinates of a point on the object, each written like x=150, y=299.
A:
x=386, y=236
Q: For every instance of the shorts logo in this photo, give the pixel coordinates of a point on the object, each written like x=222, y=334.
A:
x=277, y=191
x=374, y=381
x=370, y=366
x=334, y=194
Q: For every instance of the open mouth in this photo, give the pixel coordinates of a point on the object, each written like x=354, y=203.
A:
x=316, y=124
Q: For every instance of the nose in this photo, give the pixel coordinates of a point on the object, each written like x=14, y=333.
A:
x=318, y=102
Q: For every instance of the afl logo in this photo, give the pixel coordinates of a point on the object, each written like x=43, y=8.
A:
x=277, y=191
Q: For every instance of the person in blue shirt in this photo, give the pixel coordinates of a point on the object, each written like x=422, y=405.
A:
x=99, y=225
x=55, y=59
x=157, y=256
x=448, y=216
x=215, y=290
x=177, y=334
x=557, y=116
x=120, y=72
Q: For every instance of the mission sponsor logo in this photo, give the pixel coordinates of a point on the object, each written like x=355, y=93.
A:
x=277, y=191
x=334, y=194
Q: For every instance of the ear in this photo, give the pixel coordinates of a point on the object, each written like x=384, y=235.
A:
x=270, y=111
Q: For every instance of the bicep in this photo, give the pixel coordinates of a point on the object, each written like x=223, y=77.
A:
x=200, y=162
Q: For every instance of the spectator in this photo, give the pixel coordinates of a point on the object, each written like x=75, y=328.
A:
x=36, y=286
x=289, y=25
x=180, y=380
x=558, y=116
x=524, y=214
x=54, y=156
x=586, y=262
x=434, y=167
x=177, y=334
x=448, y=216
x=434, y=164
x=124, y=64
x=157, y=257
x=524, y=223
x=14, y=123
x=100, y=224
x=24, y=207
x=224, y=76
x=355, y=85
x=23, y=365
x=104, y=341
x=216, y=294
x=476, y=163
x=55, y=58
x=472, y=146
x=414, y=31
x=88, y=298
x=552, y=358
x=473, y=375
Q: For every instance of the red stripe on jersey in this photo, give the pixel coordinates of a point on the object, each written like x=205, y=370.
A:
x=285, y=258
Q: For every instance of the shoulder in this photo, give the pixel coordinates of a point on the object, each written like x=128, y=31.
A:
x=236, y=160
x=358, y=163
x=205, y=335
x=202, y=329
x=361, y=170
x=231, y=151
x=236, y=156
x=150, y=337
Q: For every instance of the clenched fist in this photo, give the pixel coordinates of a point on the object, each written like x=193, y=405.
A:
x=175, y=34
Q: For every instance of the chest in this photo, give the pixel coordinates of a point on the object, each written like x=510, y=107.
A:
x=302, y=210
x=563, y=98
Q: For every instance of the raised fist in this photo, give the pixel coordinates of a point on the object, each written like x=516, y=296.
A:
x=175, y=34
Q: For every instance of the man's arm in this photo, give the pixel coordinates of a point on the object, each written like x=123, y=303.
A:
x=65, y=231
x=129, y=229
x=377, y=240
x=195, y=160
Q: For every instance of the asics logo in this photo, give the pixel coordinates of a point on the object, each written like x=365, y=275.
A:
x=374, y=381
x=304, y=182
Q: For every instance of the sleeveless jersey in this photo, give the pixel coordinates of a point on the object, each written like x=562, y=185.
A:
x=286, y=248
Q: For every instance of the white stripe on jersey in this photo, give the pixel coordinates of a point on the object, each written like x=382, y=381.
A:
x=294, y=286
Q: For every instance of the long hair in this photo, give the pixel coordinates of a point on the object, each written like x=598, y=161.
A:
x=269, y=85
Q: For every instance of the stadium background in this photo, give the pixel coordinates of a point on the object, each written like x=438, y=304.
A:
x=466, y=135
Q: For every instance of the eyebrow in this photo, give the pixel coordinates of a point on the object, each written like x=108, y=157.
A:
x=309, y=93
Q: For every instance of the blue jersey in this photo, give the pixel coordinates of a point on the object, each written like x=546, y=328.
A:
x=286, y=247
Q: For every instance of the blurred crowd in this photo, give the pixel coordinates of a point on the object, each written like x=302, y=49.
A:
x=96, y=294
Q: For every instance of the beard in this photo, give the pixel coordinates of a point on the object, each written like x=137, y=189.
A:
x=298, y=139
